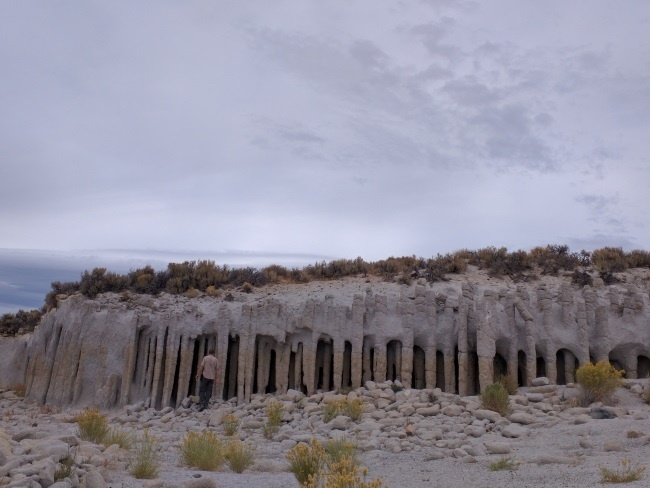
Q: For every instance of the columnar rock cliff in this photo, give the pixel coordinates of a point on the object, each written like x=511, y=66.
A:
x=458, y=336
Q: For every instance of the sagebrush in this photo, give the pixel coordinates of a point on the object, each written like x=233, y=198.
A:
x=202, y=450
x=598, y=381
x=495, y=397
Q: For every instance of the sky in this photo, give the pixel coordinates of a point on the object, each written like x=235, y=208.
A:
x=294, y=131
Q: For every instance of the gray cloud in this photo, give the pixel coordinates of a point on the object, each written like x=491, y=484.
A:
x=337, y=130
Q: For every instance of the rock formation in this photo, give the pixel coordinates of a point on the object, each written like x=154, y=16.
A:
x=457, y=336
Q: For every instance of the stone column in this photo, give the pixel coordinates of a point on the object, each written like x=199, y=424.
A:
x=298, y=378
x=356, y=368
x=222, y=361
x=551, y=364
x=282, y=358
x=127, y=372
x=339, y=349
x=450, y=371
x=160, y=347
x=309, y=365
x=248, y=353
x=170, y=368
x=380, y=363
x=185, y=370
x=463, y=373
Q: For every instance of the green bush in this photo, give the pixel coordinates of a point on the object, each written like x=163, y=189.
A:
x=274, y=413
x=495, y=397
x=597, y=381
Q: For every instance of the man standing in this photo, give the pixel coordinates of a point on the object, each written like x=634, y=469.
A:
x=208, y=374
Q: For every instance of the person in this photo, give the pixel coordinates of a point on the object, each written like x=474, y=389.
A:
x=208, y=374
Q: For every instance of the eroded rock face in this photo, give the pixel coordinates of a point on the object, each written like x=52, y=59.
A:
x=457, y=336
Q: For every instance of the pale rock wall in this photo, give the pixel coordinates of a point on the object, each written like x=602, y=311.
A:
x=458, y=336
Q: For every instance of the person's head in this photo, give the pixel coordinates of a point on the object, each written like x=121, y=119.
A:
x=211, y=351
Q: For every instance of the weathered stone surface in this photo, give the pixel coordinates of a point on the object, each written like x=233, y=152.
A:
x=497, y=447
x=324, y=338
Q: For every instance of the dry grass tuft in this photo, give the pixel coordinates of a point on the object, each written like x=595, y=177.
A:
x=274, y=412
x=230, y=425
x=93, y=425
x=350, y=408
x=628, y=472
x=503, y=464
x=495, y=397
x=204, y=451
x=145, y=461
x=239, y=455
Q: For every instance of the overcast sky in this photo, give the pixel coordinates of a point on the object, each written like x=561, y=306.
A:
x=289, y=131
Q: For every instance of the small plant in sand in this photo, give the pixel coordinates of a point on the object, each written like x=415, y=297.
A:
x=230, y=425
x=66, y=468
x=503, y=464
x=597, y=381
x=93, y=425
x=204, y=451
x=239, y=455
x=629, y=471
x=145, y=458
x=122, y=438
x=274, y=412
x=495, y=397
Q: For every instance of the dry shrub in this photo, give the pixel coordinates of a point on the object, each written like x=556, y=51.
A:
x=122, y=438
x=93, y=425
x=629, y=471
x=597, y=381
x=509, y=383
x=344, y=474
x=239, y=455
x=350, y=408
x=307, y=461
x=204, y=451
x=339, y=448
x=503, y=464
x=274, y=412
x=495, y=397
x=66, y=468
x=247, y=287
x=145, y=458
x=212, y=291
x=230, y=425
x=192, y=293
x=609, y=260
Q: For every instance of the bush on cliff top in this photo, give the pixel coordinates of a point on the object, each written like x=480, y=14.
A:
x=205, y=276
